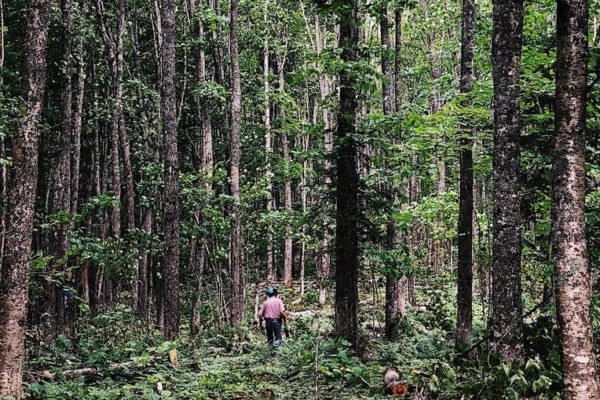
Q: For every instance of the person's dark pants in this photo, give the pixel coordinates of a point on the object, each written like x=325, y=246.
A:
x=273, y=327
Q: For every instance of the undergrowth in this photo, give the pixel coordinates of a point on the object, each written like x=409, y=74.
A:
x=131, y=361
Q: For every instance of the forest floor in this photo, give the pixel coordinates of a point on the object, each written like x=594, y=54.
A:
x=120, y=358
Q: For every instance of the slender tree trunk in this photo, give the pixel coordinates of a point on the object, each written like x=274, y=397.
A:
x=569, y=247
x=506, y=268
x=170, y=277
x=3, y=170
x=77, y=128
x=271, y=273
x=123, y=137
x=392, y=282
x=61, y=198
x=464, y=296
x=347, y=252
x=398, y=58
x=197, y=247
x=288, y=245
x=114, y=56
x=217, y=50
x=235, y=256
x=14, y=279
x=128, y=172
x=143, y=268
x=304, y=196
x=324, y=90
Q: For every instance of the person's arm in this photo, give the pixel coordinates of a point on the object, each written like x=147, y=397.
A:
x=261, y=316
x=282, y=311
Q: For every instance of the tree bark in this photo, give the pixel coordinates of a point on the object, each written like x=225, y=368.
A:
x=197, y=246
x=347, y=215
x=398, y=58
x=61, y=187
x=14, y=279
x=324, y=91
x=77, y=127
x=170, y=288
x=392, y=281
x=287, y=185
x=143, y=268
x=506, y=263
x=114, y=56
x=3, y=169
x=569, y=247
x=235, y=255
x=271, y=275
x=464, y=295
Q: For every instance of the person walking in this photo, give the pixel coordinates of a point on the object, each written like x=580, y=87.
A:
x=273, y=313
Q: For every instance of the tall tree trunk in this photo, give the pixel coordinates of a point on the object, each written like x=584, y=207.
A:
x=347, y=215
x=77, y=127
x=392, y=281
x=324, y=90
x=235, y=255
x=61, y=199
x=125, y=147
x=569, y=247
x=271, y=274
x=114, y=56
x=170, y=276
x=288, y=245
x=398, y=109
x=14, y=279
x=464, y=295
x=304, y=195
x=3, y=169
x=198, y=247
x=506, y=263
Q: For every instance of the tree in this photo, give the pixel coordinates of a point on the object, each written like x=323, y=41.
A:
x=268, y=146
x=569, y=247
x=324, y=90
x=170, y=277
x=464, y=296
x=197, y=247
x=506, y=263
x=14, y=278
x=392, y=282
x=235, y=253
x=61, y=202
x=347, y=213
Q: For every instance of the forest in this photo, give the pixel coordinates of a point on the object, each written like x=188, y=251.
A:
x=416, y=181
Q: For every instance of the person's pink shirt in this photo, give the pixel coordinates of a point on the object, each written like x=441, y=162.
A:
x=272, y=308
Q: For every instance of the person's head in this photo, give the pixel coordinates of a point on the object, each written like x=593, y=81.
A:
x=271, y=291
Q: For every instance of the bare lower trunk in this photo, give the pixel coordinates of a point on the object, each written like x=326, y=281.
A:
x=77, y=127
x=143, y=268
x=235, y=254
x=324, y=91
x=392, y=281
x=347, y=251
x=14, y=279
x=271, y=272
x=170, y=278
x=569, y=247
x=464, y=297
x=114, y=50
x=506, y=268
x=61, y=199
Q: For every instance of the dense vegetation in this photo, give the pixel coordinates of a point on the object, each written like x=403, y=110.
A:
x=375, y=160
